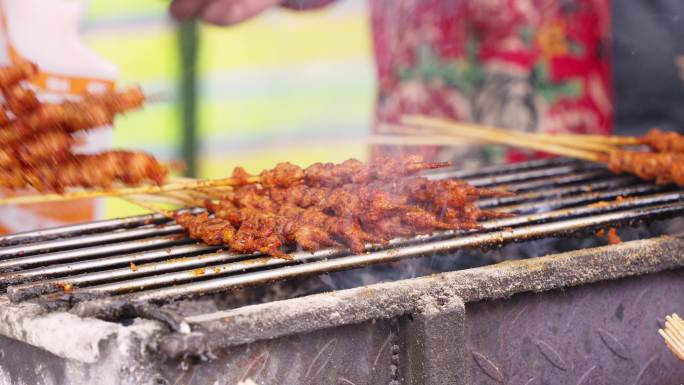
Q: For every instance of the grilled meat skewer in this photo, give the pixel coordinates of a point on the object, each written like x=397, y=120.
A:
x=92, y=112
x=11, y=75
x=101, y=170
x=663, y=141
x=49, y=147
x=664, y=167
x=350, y=171
x=286, y=211
x=21, y=100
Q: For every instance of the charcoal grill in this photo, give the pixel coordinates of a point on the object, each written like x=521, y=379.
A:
x=104, y=300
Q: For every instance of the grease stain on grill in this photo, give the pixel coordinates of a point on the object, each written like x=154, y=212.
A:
x=256, y=261
x=66, y=287
x=613, y=344
x=552, y=355
x=488, y=367
x=181, y=259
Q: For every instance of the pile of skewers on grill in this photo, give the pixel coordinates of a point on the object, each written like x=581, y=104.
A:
x=348, y=204
x=38, y=138
x=351, y=204
x=329, y=205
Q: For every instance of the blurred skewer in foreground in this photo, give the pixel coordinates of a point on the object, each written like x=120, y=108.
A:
x=673, y=333
x=38, y=138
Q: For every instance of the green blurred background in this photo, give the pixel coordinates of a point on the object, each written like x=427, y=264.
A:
x=295, y=86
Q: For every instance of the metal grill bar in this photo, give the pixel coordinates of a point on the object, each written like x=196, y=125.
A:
x=457, y=173
x=562, y=180
x=106, y=226
x=88, y=240
x=208, y=263
x=522, y=175
x=395, y=254
x=560, y=191
x=583, y=198
x=90, y=252
x=554, y=198
x=470, y=240
x=97, y=267
x=76, y=243
x=81, y=229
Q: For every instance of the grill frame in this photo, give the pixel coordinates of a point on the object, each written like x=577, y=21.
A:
x=165, y=266
x=419, y=330
x=423, y=320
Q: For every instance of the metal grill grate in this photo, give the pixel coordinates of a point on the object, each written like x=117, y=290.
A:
x=554, y=198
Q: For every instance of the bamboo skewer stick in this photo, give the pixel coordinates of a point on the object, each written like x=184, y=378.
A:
x=212, y=192
x=75, y=195
x=386, y=130
x=432, y=140
x=574, y=142
x=180, y=179
x=159, y=199
x=613, y=140
x=193, y=191
x=474, y=132
x=185, y=197
x=151, y=207
x=567, y=140
x=435, y=138
x=602, y=139
x=674, y=335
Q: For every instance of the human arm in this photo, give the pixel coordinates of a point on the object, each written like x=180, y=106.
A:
x=229, y=12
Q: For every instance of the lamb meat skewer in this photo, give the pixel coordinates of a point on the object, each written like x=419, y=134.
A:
x=329, y=210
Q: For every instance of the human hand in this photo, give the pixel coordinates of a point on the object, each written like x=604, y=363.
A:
x=220, y=12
